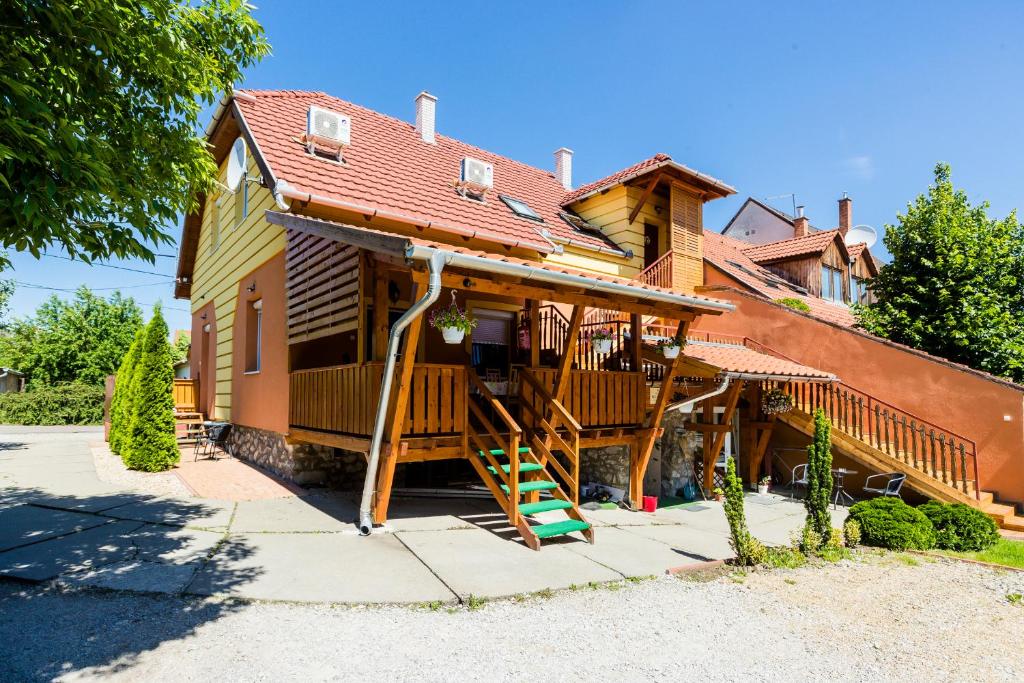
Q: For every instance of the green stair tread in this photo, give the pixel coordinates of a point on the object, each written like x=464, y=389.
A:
x=499, y=451
x=523, y=467
x=544, y=506
x=540, y=485
x=559, y=528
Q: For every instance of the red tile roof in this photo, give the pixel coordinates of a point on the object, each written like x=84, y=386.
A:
x=727, y=255
x=388, y=167
x=856, y=249
x=743, y=361
x=813, y=243
x=714, y=185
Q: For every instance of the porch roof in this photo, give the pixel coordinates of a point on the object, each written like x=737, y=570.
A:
x=741, y=362
x=520, y=277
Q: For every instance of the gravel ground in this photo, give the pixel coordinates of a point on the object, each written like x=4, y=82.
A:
x=871, y=619
x=110, y=469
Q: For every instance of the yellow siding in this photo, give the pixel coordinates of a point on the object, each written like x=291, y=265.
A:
x=610, y=212
x=238, y=251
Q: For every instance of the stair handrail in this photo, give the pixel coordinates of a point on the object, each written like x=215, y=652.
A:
x=511, y=448
x=549, y=427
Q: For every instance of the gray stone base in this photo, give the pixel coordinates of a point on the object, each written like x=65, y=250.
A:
x=301, y=463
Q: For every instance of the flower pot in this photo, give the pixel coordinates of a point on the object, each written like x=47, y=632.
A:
x=453, y=335
x=670, y=351
x=762, y=489
x=602, y=345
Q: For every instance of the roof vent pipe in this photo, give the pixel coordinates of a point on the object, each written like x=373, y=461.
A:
x=426, y=104
x=563, y=167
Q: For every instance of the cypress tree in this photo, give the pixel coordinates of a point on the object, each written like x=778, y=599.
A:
x=152, y=446
x=748, y=549
x=819, y=480
x=120, y=404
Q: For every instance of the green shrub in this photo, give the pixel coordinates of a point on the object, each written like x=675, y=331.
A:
x=60, y=404
x=749, y=551
x=819, y=481
x=890, y=523
x=960, y=527
x=851, y=533
x=794, y=303
x=121, y=403
x=151, y=445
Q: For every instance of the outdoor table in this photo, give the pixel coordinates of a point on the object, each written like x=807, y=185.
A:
x=838, y=474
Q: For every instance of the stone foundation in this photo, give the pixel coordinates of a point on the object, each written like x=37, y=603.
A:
x=301, y=463
x=607, y=465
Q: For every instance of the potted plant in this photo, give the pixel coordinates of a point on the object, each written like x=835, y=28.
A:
x=762, y=486
x=600, y=340
x=453, y=322
x=718, y=493
x=776, y=402
x=670, y=347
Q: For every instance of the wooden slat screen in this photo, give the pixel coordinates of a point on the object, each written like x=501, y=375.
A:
x=322, y=285
x=185, y=395
x=343, y=399
x=687, y=240
x=598, y=398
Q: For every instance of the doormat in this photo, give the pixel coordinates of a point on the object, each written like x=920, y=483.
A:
x=758, y=499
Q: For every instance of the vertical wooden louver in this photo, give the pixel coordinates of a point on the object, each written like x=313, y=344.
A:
x=323, y=287
x=687, y=238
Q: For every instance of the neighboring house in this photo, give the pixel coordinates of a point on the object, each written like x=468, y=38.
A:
x=182, y=369
x=314, y=276
x=11, y=381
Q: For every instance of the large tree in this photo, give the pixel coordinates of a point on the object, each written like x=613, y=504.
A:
x=99, y=117
x=955, y=286
x=79, y=340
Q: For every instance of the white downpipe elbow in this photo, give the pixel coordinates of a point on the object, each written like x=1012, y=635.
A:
x=435, y=264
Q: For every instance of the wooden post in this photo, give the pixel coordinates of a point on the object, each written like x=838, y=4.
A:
x=651, y=431
x=381, y=306
x=396, y=411
x=565, y=363
x=732, y=397
x=635, y=342
x=533, y=310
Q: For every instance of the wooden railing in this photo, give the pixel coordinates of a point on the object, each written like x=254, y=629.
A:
x=547, y=415
x=601, y=398
x=186, y=394
x=918, y=443
x=509, y=444
x=659, y=273
x=343, y=399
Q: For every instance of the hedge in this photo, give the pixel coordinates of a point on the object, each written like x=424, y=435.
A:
x=891, y=523
x=960, y=527
x=60, y=404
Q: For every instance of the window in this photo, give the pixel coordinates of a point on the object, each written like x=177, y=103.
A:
x=253, y=335
x=521, y=208
x=858, y=290
x=832, y=284
x=215, y=224
x=241, y=203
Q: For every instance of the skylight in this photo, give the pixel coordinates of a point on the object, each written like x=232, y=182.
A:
x=521, y=208
x=580, y=225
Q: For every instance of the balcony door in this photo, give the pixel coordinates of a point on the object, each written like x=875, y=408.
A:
x=652, y=245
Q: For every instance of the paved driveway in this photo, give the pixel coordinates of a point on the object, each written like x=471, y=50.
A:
x=59, y=522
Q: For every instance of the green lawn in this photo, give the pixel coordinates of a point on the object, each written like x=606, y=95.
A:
x=1005, y=551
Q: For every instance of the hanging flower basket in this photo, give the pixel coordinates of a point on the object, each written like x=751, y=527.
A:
x=453, y=322
x=776, y=402
x=670, y=347
x=600, y=340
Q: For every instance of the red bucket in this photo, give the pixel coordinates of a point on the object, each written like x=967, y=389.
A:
x=650, y=503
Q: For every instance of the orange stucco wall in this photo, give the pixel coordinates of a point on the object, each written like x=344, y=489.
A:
x=981, y=408
x=203, y=356
x=260, y=399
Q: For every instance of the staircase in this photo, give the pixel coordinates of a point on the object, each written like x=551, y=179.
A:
x=938, y=463
x=518, y=463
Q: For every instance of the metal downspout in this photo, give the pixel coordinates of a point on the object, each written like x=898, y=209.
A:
x=720, y=389
x=435, y=264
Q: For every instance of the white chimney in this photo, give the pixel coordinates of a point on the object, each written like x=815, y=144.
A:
x=563, y=167
x=425, y=107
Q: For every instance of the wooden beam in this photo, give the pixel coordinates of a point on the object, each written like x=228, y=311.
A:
x=381, y=307
x=348, y=443
x=565, y=362
x=702, y=427
x=645, y=196
x=635, y=342
x=757, y=453
x=640, y=454
x=396, y=412
x=533, y=310
x=732, y=397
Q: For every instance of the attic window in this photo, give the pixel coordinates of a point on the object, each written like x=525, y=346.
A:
x=521, y=208
x=579, y=224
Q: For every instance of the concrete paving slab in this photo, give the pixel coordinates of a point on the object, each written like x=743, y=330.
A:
x=22, y=524
x=89, y=548
x=480, y=563
x=338, y=568
x=82, y=501
x=156, y=542
x=200, y=514
x=419, y=514
x=306, y=513
x=694, y=545
x=620, y=517
x=135, y=575
x=630, y=554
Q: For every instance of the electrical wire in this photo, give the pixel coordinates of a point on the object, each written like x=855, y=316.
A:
x=106, y=265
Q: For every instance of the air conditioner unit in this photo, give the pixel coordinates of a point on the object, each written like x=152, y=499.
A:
x=327, y=129
x=475, y=175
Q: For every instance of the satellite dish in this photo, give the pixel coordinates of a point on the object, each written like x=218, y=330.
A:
x=861, y=234
x=238, y=163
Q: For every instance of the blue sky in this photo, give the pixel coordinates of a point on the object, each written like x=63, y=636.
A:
x=807, y=98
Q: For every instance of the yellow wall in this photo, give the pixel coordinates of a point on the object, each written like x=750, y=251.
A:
x=610, y=212
x=240, y=249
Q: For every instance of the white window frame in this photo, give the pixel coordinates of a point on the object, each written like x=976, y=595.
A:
x=258, y=366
